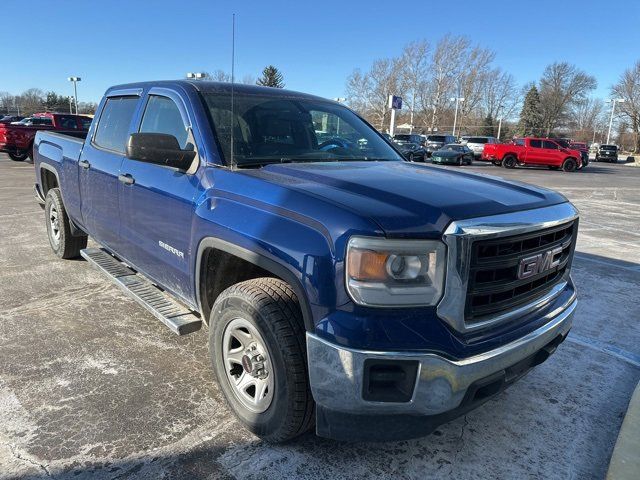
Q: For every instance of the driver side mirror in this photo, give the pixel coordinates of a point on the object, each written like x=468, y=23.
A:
x=159, y=149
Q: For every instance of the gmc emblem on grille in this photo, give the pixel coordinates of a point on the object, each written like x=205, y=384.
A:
x=530, y=266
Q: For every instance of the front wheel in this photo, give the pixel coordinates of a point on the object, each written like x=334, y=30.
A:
x=63, y=244
x=258, y=353
x=569, y=165
x=18, y=156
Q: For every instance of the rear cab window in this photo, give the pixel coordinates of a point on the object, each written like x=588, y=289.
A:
x=112, y=131
x=67, y=122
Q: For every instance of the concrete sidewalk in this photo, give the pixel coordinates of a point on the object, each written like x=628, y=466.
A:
x=625, y=461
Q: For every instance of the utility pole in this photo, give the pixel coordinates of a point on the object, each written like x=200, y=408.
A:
x=458, y=101
x=613, y=102
x=70, y=98
x=75, y=81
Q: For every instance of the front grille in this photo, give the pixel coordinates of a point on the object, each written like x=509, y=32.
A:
x=494, y=286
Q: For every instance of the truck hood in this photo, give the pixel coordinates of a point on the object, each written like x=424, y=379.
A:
x=405, y=198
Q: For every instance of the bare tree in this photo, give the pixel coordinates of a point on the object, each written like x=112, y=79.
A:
x=369, y=92
x=447, y=62
x=500, y=98
x=628, y=88
x=473, y=79
x=217, y=76
x=561, y=86
x=414, y=64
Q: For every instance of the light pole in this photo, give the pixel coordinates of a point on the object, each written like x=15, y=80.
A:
x=339, y=100
x=70, y=98
x=458, y=101
x=499, y=123
x=75, y=81
x=613, y=102
x=196, y=75
x=16, y=105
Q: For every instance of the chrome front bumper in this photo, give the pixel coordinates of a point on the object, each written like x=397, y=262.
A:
x=336, y=373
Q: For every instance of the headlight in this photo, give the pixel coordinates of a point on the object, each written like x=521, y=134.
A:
x=383, y=273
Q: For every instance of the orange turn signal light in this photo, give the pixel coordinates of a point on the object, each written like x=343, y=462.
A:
x=367, y=265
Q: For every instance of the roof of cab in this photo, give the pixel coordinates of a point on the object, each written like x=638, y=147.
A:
x=222, y=88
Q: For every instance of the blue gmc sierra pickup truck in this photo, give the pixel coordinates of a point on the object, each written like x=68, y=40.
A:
x=342, y=287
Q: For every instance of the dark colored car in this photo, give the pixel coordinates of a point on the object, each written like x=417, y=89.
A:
x=583, y=148
x=412, y=151
x=453, y=154
x=436, y=142
x=11, y=118
x=607, y=153
x=409, y=138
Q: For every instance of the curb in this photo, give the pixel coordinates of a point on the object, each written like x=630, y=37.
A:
x=625, y=461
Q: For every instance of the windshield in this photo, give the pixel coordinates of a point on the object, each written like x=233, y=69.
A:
x=436, y=138
x=609, y=147
x=452, y=148
x=477, y=140
x=268, y=129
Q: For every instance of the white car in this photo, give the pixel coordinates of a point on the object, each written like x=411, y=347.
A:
x=476, y=144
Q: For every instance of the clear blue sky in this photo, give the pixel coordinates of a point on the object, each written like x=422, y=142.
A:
x=315, y=44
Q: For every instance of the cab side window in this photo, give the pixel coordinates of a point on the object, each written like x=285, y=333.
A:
x=113, y=127
x=550, y=145
x=535, y=143
x=162, y=116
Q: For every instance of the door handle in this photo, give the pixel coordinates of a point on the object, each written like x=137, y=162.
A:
x=127, y=179
x=84, y=164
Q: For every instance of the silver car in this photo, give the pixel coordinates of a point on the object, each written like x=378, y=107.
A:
x=476, y=144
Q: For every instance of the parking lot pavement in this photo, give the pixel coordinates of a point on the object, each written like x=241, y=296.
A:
x=92, y=386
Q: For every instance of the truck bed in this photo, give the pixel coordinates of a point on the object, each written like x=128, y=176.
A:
x=53, y=146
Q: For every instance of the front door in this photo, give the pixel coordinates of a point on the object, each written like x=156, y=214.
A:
x=157, y=208
x=99, y=168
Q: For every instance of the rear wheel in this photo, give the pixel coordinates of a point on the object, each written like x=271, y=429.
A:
x=258, y=353
x=509, y=161
x=63, y=244
x=18, y=156
x=569, y=165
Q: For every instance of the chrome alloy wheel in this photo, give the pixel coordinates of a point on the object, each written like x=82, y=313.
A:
x=247, y=365
x=54, y=223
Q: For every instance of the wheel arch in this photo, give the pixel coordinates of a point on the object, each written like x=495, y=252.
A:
x=210, y=245
x=49, y=178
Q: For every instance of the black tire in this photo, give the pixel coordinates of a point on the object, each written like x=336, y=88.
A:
x=18, y=157
x=63, y=244
x=30, y=152
x=272, y=308
x=459, y=161
x=569, y=165
x=509, y=161
x=411, y=157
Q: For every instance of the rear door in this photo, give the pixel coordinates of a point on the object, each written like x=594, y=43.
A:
x=99, y=167
x=157, y=208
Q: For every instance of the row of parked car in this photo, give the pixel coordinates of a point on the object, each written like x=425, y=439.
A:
x=18, y=133
x=554, y=153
